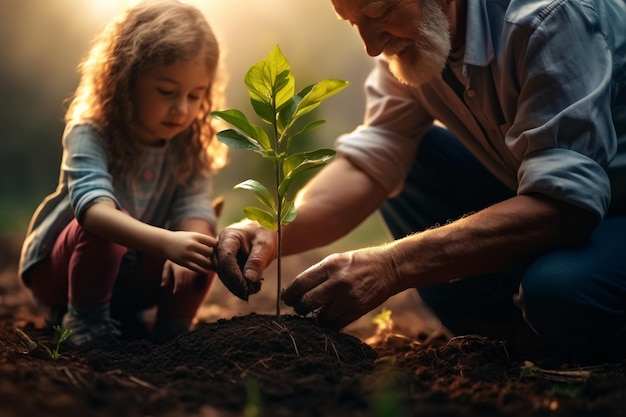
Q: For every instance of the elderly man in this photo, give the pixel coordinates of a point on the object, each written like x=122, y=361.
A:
x=494, y=144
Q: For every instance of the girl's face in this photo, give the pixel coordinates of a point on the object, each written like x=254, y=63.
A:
x=166, y=99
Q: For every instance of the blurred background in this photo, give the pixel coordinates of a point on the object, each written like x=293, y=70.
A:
x=42, y=42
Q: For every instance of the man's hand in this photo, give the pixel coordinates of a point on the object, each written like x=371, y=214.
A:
x=344, y=286
x=243, y=251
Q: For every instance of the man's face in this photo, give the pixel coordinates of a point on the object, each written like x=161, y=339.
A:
x=413, y=35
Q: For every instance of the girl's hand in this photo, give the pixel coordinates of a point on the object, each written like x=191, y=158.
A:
x=191, y=249
x=182, y=278
x=344, y=286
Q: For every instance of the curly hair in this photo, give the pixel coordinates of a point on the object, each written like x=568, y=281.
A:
x=150, y=33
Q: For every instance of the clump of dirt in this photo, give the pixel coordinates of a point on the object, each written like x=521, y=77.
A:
x=288, y=361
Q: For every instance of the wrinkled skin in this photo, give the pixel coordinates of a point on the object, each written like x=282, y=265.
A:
x=344, y=286
x=243, y=249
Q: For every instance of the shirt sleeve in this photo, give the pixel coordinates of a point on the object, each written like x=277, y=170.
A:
x=193, y=200
x=384, y=146
x=85, y=167
x=563, y=133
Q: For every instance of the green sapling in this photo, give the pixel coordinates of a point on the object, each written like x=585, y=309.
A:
x=62, y=335
x=271, y=87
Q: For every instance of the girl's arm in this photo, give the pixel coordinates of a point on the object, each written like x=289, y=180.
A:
x=192, y=249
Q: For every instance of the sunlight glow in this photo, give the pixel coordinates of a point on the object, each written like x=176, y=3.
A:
x=106, y=8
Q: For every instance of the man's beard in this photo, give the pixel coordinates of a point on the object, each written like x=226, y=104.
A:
x=420, y=61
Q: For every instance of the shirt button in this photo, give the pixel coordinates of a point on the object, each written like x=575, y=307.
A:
x=471, y=93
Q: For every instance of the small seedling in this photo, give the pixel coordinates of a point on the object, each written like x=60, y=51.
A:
x=271, y=87
x=30, y=345
x=62, y=335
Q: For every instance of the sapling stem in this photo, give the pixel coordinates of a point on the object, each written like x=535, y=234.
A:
x=279, y=212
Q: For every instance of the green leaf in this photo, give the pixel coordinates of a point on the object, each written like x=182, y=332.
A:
x=288, y=214
x=235, y=118
x=265, y=218
x=262, y=193
x=237, y=140
x=263, y=110
x=282, y=79
x=298, y=162
x=284, y=186
x=307, y=128
x=287, y=111
x=270, y=84
x=239, y=120
x=49, y=351
x=301, y=161
x=320, y=92
x=310, y=126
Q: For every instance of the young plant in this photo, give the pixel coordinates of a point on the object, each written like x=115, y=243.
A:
x=62, y=335
x=271, y=87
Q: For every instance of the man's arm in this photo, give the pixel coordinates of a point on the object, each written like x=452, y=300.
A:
x=347, y=285
x=491, y=240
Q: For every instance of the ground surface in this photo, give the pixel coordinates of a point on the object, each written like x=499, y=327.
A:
x=241, y=363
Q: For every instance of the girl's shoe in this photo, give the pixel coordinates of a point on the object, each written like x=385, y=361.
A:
x=90, y=325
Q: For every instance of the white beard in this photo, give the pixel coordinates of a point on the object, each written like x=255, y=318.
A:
x=420, y=61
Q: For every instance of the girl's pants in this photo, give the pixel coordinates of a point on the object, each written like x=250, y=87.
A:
x=89, y=271
x=574, y=299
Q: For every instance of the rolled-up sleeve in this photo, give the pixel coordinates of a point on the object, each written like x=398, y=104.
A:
x=384, y=145
x=563, y=134
x=85, y=167
x=567, y=176
x=193, y=200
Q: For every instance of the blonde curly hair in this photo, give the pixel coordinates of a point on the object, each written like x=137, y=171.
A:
x=150, y=33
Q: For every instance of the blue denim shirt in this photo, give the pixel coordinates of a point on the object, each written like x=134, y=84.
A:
x=155, y=197
x=542, y=103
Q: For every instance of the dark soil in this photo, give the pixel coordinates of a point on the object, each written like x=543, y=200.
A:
x=254, y=365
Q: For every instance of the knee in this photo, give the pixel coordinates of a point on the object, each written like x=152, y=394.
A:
x=87, y=241
x=554, y=285
x=561, y=302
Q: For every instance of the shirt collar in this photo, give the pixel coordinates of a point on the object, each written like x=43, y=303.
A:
x=484, y=26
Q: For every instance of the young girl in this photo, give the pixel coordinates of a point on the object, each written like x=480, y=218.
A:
x=131, y=225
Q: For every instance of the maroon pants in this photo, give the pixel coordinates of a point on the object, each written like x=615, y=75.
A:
x=85, y=269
